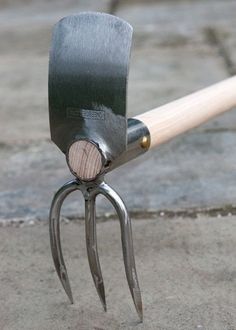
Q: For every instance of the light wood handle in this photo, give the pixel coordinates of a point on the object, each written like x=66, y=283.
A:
x=164, y=123
x=177, y=117
x=85, y=160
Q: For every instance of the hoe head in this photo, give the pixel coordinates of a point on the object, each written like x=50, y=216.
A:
x=88, y=72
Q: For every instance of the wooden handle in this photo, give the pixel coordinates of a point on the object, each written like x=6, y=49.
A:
x=85, y=160
x=177, y=117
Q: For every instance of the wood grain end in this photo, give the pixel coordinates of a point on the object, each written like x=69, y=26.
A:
x=85, y=160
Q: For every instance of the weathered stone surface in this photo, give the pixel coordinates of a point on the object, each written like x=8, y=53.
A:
x=25, y=40
x=23, y=93
x=158, y=76
x=186, y=267
x=37, y=7
x=186, y=271
x=185, y=17
x=160, y=71
x=172, y=57
x=229, y=42
x=194, y=170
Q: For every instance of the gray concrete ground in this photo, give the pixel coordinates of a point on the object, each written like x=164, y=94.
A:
x=174, y=53
x=186, y=269
x=186, y=265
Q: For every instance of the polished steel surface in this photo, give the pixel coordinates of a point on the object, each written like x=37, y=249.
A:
x=92, y=250
x=54, y=231
x=90, y=191
x=127, y=244
x=137, y=132
x=88, y=72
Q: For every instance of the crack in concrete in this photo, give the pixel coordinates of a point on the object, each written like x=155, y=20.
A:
x=113, y=6
x=22, y=145
x=192, y=213
x=214, y=38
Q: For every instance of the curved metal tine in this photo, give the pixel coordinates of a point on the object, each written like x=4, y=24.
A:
x=54, y=230
x=127, y=244
x=92, y=250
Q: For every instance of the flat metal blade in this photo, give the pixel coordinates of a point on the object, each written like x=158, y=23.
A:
x=88, y=70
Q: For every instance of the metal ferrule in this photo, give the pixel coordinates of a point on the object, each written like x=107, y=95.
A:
x=138, y=142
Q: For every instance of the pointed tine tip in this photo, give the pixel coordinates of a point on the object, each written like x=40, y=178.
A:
x=140, y=314
x=105, y=307
x=101, y=293
x=92, y=250
x=63, y=276
x=70, y=298
x=69, y=293
x=66, y=283
x=138, y=303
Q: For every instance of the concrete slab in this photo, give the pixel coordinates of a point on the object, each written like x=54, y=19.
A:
x=32, y=169
x=23, y=92
x=228, y=40
x=160, y=72
x=186, y=271
x=186, y=266
x=25, y=40
x=173, y=55
x=18, y=10
x=158, y=76
x=193, y=171
x=182, y=17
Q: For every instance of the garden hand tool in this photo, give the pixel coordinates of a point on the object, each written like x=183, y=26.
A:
x=88, y=71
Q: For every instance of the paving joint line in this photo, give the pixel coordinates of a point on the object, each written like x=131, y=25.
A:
x=23, y=144
x=214, y=39
x=114, y=4
x=191, y=213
